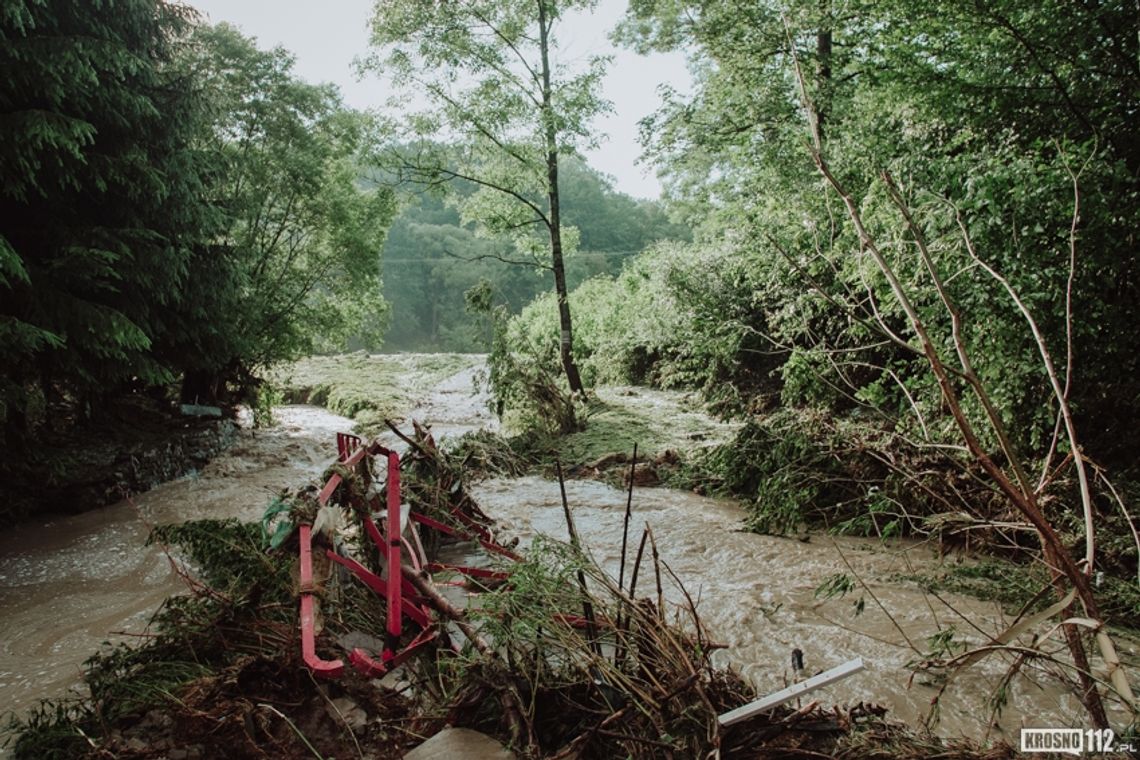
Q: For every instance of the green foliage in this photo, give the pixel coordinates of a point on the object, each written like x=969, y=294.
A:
x=837, y=586
x=1012, y=585
x=228, y=555
x=677, y=316
x=100, y=203
x=51, y=730
x=176, y=204
x=525, y=379
x=943, y=644
x=782, y=464
x=299, y=239
x=268, y=396
x=431, y=258
x=989, y=126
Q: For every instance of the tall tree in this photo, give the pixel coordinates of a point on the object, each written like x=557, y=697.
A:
x=100, y=205
x=491, y=72
x=295, y=260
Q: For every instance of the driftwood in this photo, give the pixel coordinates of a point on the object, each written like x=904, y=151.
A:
x=513, y=708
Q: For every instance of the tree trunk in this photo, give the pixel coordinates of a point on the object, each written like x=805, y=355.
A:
x=566, y=343
x=823, y=69
x=199, y=387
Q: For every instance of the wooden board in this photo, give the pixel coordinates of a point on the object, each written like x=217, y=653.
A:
x=786, y=695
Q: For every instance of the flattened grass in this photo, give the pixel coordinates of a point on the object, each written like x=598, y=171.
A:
x=367, y=387
x=619, y=416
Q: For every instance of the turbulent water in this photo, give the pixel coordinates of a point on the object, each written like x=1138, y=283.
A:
x=757, y=595
x=68, y=584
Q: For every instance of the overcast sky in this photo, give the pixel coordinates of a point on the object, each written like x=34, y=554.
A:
x=326, y=36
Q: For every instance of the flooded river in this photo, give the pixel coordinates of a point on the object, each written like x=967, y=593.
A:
x=757, y=595
x=68, y=584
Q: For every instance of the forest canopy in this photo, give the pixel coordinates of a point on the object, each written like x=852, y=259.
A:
x=177, y=207
x=180, y=209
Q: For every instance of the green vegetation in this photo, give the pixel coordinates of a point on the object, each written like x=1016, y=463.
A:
x=220, y=673
x=178, y=209
x=295, y=266
x=431, y=258
x=498, y=80
x=366, y=387
x=1013, y=586
x=100, y=204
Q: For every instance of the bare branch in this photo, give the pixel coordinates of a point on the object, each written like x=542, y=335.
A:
x=1051, y=372
x=439, y=92
x=498, y=257
x=431, y=174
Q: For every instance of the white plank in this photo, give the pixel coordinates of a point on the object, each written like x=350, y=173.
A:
x=786, y=695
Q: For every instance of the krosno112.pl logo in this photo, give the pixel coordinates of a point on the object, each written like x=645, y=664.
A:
x=1074, y=741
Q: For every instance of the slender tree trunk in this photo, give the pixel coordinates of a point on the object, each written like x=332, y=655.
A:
x=551, y=137
x=823, y=69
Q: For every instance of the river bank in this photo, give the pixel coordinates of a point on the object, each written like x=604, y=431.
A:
x=137, y=444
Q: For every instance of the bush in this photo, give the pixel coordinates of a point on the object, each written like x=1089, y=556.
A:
x=678, y=315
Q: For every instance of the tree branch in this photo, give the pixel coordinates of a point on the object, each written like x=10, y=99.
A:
x=453, y=174
x=498, y=257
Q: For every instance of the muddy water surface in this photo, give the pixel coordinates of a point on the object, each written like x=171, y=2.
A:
x=69, y=584
x=757, y=595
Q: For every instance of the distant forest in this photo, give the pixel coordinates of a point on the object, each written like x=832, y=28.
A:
x=430, y=259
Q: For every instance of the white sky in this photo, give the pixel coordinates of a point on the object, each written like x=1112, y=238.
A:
x=326, y=37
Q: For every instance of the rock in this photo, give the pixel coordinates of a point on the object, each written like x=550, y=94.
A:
x=454, y=743
x=396, y=680
x=345, y=711
x=359, y=640
x=644, y=474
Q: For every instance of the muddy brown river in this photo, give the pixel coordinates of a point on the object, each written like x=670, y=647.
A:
x=69, y=584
